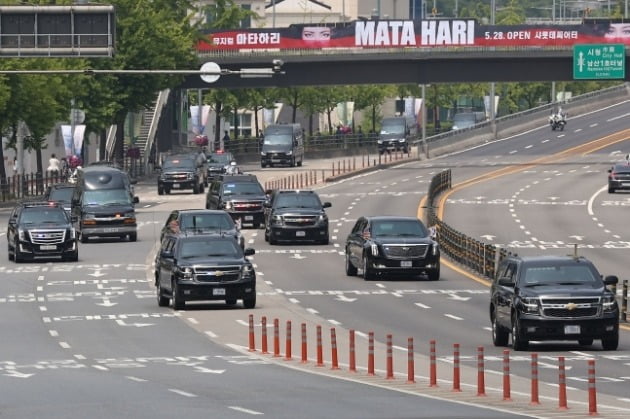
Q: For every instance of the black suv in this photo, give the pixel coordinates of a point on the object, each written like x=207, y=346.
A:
x=296, y=215
x=218, y=163
x=182, y=171
x=241, y=196
x=41, y=230
x=202, y=221
x=193, y=267
x=552, y=298
x=392, y=245
x=619, y=177
x=62, y=193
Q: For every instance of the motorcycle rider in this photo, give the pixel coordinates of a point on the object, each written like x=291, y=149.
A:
x=233, y=169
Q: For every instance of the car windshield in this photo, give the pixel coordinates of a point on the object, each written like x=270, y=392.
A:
x=399, y=228
x=242, y=188
x=219, y=158
x=393, y=128
x=218, y=222
x=38, y=215
x=277, y=139
x=107, y=197
x=209, y=247
x=558, y=274
x=61, y=194
x=179, y=164
x=297, y=201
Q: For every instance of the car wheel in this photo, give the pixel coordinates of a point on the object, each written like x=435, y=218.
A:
x=17, y=255
x=266, y=235
x=611, y=343
x=230, y=301
x=176, y=298
x=272, y=241
x=434, y=274
x=611, y=190
x=351, y=270
x=519, y=343
x=300, y=162
x=160, y=191
x=256, y=225
x=249, y=302
x=162, y=300
x=292, y=162
x=133, y=237
x=367, y=272
x=196, y=189
x=167, y=191
x=325, y=241
x=585, y=341
x=201, y=188
x=9, y=253
x=499, y=335
x=72, y=257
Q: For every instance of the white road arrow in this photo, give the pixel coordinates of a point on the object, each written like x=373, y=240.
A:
x=102, y=287
x=122, y=323
x=97, y=273
x=578, y=238
x=208, y=370
x=488, y=237
x=18, y=374
x=458, y=298
x=345, y=299
x=106, y=303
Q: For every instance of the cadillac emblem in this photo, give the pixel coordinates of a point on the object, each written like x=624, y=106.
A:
x=571, y=306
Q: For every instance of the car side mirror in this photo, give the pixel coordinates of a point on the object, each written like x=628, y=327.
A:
x=611, y=280
x=136, y=199
x=165, y=254
x=12, y=221
x=326, y=205
x=506, y=282
x=267, y=204
x=249, y=251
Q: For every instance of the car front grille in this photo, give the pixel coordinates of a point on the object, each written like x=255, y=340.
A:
x=247, y=206
x=176, y=176
x=47, y=236
x=405, y=251
x=300, y=220
x=217, y=274
x=570, y=308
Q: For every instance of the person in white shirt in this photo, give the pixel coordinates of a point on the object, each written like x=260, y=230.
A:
x=54, y=164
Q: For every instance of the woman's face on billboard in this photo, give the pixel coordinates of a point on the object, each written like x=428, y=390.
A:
x=618, y=30
x=316, y=33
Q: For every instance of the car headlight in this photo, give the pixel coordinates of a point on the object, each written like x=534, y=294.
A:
x=323, y=218
x=73, y=233
x=290, y=152
x=263, y=154
x=277, y=220
x=190, y=175
x=89, y=216
x=22, y=234
x=435, y=249
x=609, y=303
x=402, y=140
x=247, y=271
x=185, y=273
x=379, y=141
x=530, y=304
x=374, y=249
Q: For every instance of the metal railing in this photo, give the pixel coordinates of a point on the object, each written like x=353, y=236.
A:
x=157, y=112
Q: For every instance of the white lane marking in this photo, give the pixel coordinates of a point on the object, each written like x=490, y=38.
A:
x=79, y=356
x=243, y=410
x=422, y=305
x=43, y=308
x=137, y=379
x=380, y=285
x=513, y=152
x=294, y=300
x=312, y=310
x=64, y=345
x=211, y=334
x=452, y=316
x=544, y=141
x=182, y=393
x=593, y=125
x=53, y=333
x=100, y=367
x=529, y=146
x=193, y=320
x=46, y=319
x=335, y=322
x=589, y=206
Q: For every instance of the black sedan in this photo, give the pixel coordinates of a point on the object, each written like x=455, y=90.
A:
x=380, y=245
x=619, y=177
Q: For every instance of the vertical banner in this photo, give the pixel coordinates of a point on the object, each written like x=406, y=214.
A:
x=268, y=116
x=419, y=111
x=410, y=103
x=486, y=103
x=194, y=118
x=79, y=133
x=66, y=133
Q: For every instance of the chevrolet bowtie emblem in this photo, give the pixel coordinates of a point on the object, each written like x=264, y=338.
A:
x=218, y=273
x=571, y=306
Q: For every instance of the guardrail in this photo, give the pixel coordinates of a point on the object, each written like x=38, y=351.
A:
x=15, y=188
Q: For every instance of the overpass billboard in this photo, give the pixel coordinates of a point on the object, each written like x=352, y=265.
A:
x=430, y=33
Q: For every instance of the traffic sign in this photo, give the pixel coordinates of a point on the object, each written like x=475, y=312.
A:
x=599, y=61
x=212, y=68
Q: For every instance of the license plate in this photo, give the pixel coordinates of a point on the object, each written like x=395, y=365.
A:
x=571, y=329
x=249, y=218
x=110, y=230
x=218, y=291
x=300, y=233
x=175, y=185
x=406, y=264
x=48, y=247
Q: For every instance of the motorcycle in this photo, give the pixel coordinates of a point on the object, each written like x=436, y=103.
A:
x=557, y=122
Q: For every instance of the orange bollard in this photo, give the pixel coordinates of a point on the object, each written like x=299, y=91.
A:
x=411, y=372
x=252, y=341
x=287, y=354
x=304, y=349
x=320, y=349
x=276, y=337
x=264, y=334
x=562, y=388
x=353, y=360
x=390, y=359
x=506, y=375
x=481, y=380
x=333, y=349
x=456, y=373
x=370, y=353
x=592, y=392
x=432, y=365
x=535, y=379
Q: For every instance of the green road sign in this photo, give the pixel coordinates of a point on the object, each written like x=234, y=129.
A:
x=599, y=61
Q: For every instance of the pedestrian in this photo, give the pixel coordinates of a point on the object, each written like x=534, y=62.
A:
x=226, y=140
x=15, y=166
x=54, y=164
x=64, y=167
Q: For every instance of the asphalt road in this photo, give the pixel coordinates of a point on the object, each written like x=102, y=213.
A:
x=89, y=339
